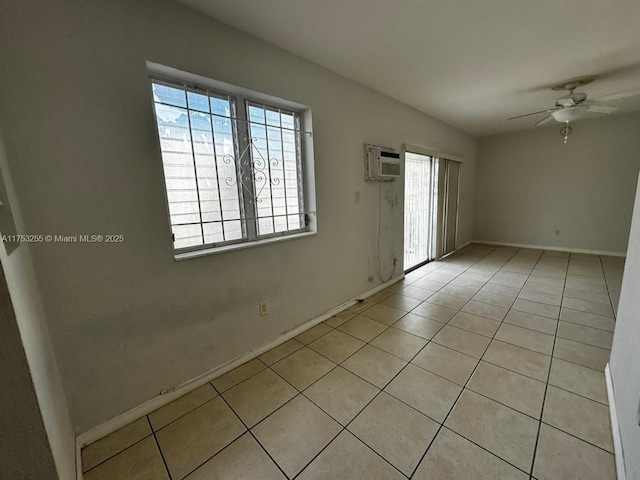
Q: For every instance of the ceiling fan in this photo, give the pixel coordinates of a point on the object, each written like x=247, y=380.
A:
x=572, y=102
x=575, y=105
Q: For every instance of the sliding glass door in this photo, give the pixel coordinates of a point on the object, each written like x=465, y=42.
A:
x=430, y=208
x=420, y=209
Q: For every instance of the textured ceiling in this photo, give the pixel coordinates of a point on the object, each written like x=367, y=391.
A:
x=469, y=63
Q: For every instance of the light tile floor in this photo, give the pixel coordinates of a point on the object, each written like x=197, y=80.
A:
x=482, y=366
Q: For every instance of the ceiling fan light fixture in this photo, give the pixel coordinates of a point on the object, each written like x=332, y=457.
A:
x=571, y=114
x=566, y=115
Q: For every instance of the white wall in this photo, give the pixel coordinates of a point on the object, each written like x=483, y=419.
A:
x=625, y=355
x=127, y=320
x=530, y=184
x=36, y=436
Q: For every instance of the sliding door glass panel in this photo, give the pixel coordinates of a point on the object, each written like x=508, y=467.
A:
x=420, y=209
x=447, y=221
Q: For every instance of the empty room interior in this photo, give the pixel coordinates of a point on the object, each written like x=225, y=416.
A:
x=297, y=239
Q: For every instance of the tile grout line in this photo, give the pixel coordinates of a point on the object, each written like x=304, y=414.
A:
x=530, y=349
x=118, y=452
x=564, y=321
x=546, y=388
x=154, y=431
x=220, y=392
x=246, y=430
x=613, y=309
x=164, y=461
x=588, y=326
x=576, y=437
x=581, y=343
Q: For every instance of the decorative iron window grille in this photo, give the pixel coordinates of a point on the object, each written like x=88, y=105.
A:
x=232, y=174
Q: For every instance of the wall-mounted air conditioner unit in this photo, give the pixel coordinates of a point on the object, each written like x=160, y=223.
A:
x=382, y=164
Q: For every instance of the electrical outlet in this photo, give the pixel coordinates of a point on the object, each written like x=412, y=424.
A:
x=557, y=232
x=357, y=197
x=264, y=309
x=370, y=279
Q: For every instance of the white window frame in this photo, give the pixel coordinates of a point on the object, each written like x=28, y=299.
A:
x=240, y=100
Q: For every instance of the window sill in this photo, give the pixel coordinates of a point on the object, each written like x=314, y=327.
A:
x=240, y=246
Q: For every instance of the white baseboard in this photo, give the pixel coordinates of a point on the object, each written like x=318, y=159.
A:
x=615, y=429
x=557, y=249
x=460, y=247
x=366, y=294
x=169, y=395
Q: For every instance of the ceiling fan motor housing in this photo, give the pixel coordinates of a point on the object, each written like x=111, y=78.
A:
x=571, y=100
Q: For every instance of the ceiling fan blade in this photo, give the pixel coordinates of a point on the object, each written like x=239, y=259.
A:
x=545, y=120
x=618, y=96
x=534, y=113
x=602, y=109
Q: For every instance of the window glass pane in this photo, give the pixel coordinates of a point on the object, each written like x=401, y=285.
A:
x=287, y=120
x=170, y=95
x=220, y=106
x=273, y=117
x=293, y=221
x=233, y=230
x=256, y=114
x=187, y=235
x=276, y=179
x=213, y=233
x=280, y=223
x=265, y=225
x=198, y=101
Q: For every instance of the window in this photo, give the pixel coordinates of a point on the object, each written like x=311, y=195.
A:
x=233, y=167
